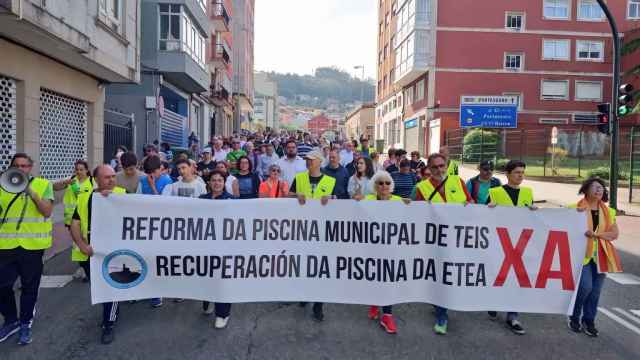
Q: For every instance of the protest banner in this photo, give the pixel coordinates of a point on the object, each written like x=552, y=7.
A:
x=467, y=258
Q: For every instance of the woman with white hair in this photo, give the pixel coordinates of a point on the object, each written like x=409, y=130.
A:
x=382, y=185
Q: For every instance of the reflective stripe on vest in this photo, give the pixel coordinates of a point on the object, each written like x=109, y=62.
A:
x=35, y=230
x=83, y=212
x=499, y=196
x=71, y=197
x=324, y=187
x=452, y=169
x=453, y=191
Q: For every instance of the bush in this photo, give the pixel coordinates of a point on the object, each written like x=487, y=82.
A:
x=501, y=164
x=603, y=173
x=480, y=143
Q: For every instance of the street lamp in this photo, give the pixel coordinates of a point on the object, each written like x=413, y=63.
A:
x=362, y=87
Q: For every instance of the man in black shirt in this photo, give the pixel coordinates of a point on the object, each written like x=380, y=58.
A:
x=207, y=165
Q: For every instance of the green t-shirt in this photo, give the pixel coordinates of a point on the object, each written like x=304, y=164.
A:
x=233, y=157
x=48, y=193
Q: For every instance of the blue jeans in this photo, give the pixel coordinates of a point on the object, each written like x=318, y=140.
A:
x=441, y=315
x=588, y=294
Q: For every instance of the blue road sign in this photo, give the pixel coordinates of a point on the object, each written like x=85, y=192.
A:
x=489, y=111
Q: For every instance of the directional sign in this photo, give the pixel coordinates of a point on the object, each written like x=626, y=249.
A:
x=489, y=111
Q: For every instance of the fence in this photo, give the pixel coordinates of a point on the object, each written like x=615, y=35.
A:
x=578, y=153
x=634, y=163
x=119, y=129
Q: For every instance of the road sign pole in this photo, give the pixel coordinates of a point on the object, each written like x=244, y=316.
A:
x=613, y=158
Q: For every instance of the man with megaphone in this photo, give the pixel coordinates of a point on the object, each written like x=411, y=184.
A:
x=25, y=232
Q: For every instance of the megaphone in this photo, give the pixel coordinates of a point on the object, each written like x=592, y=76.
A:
x=14, y=181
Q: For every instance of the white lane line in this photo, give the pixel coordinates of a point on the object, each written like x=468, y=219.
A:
x=635, y=312
x=624, y=278
x=620, y=320
x=55, y=281
x=627, y=315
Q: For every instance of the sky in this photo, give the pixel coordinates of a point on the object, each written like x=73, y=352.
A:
x=298, y=36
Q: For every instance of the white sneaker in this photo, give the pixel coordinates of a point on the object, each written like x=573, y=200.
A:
x=79, y=274
x=221, y=322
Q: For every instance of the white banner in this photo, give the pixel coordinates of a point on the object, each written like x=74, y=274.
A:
x=371, y=252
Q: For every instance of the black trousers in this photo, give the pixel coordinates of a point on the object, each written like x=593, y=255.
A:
x=221, y=309
x=27, y=265
x=110, y=310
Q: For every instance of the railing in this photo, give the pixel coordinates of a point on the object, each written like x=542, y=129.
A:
x=220, y=11
x=222, y=53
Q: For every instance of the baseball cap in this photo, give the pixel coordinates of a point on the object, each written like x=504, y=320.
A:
x=207, y=150
x=486, y=164
x=315, y=154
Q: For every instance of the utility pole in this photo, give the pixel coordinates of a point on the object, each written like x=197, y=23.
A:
x=614, y=126
x=362, y=87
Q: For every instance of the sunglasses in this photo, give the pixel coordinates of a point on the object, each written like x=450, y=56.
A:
x=275, y=170
x=441, y=166
x=380, y=183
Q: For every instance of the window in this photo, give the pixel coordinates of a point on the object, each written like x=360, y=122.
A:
x=517, y=95
x=514, y=21
x=588, y=91
x=633, y=9
x=109, y=12
x=555, y=90
x=513, y=61
x=553, y=49
x=589, y=10
x=420, y=90
x=408, y=96
x=386, y=51
x=589, y=50
x=380, y=57
x=556, y=9
x=178, y=33
x=202, y=4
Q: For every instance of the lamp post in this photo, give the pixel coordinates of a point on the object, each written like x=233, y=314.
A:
x=614, y=125
x=362, y=87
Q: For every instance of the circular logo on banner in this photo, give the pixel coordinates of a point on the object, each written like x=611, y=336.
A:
x=124, y=269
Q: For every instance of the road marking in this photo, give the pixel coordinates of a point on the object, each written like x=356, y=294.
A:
x=624, y=278
x=628, y=315
x=55, y=281
x=620, y=320
x=635, y=312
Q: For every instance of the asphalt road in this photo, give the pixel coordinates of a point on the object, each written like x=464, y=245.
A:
x=67, y=327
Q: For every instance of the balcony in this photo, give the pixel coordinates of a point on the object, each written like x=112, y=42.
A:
x=220, y=16
x=221, y=89
x=220, y=57
x=414, y=58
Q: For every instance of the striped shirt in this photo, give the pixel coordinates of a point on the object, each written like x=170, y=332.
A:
x=404, y=184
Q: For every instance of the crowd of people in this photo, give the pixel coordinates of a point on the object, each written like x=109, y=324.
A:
x=271, y=165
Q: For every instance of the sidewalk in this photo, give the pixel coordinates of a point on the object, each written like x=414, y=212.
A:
x=557, y=193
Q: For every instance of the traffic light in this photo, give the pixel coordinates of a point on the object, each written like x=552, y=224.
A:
x=625, y=100
x=603, y=117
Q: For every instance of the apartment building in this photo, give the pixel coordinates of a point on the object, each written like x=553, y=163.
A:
x=57, y=57
x=169, y=104
x=360, y=123
x=221, y=67
x=243, y=36
x=555, y=56
x=266, y=100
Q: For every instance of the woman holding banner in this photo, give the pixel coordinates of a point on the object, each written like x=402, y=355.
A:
x=383, y=188
x=218, y=192
x=601, y=257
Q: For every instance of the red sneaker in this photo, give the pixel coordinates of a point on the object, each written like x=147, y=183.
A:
x=389, y=324
x=373, y=312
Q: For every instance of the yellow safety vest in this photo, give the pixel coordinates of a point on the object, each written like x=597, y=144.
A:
x=83, y=212
x=371, y=149
x=34, y=232
x=324, y=188
x=594, y=255
x=71, y=197
x=375, y=197
x=499, y=196
x=452, y=169
x=452, y=188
